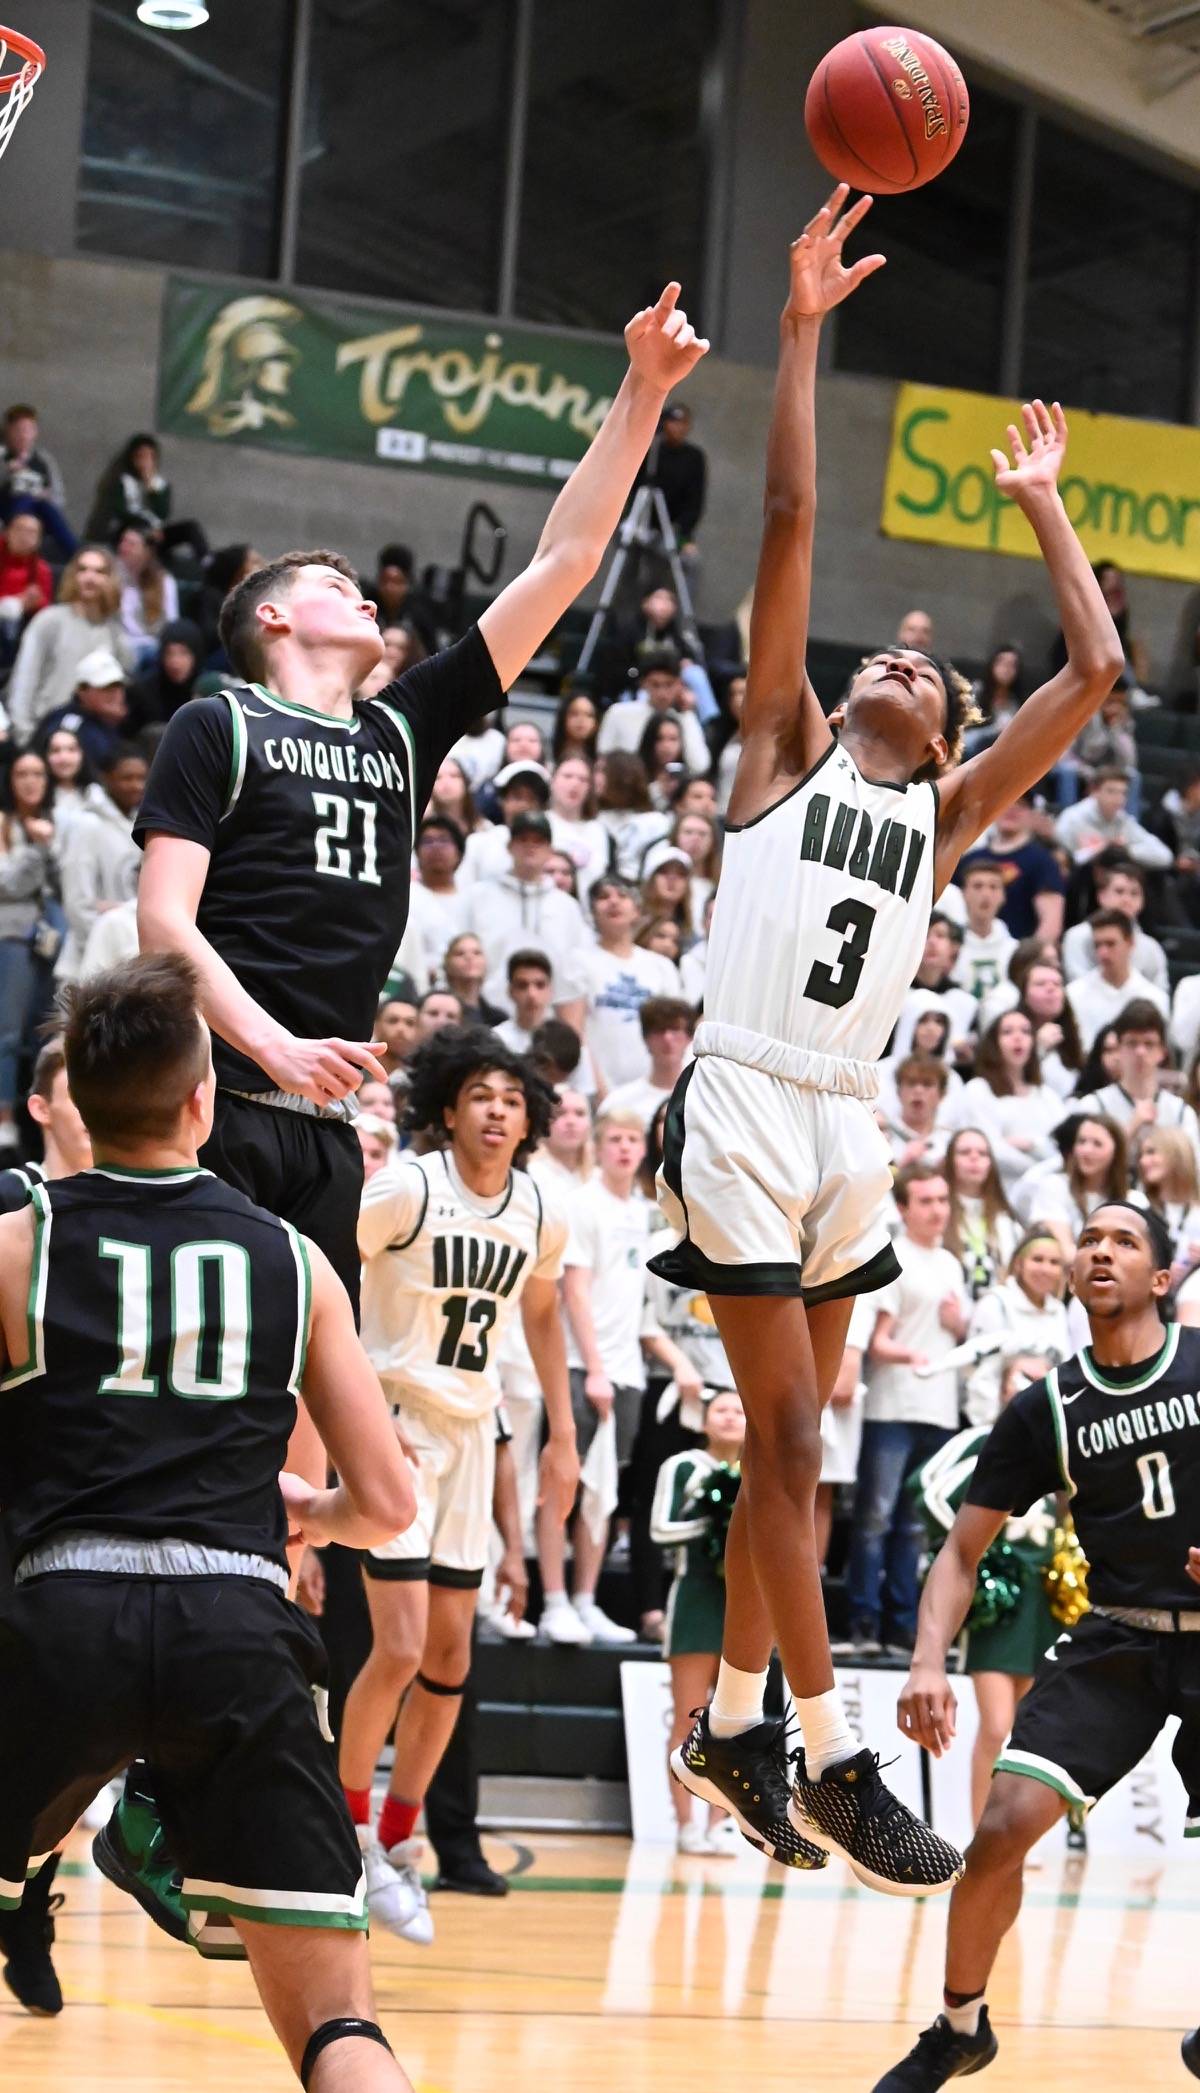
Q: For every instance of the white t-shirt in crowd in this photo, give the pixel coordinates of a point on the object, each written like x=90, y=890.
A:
x=480, y=755
x=1185, y=1018
x=894, y=1393
x=952, y=1003
x=1169, y=1110
x=616, y=989
x=982, y=962
x=641, y=1096
x=435, y=919
x=1097, y=1003
x=1079, y=954
x=1031, y=1117
x=610, y=1238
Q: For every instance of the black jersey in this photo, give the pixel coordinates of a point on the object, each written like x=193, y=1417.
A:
x=1125, y=1444
x=309, y=822
x=168, y=1319
x=16, y=1186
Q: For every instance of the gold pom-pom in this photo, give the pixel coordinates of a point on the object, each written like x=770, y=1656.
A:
x=1065, y=1577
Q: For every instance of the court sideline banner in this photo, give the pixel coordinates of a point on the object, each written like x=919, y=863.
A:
x=334, y=380
x=1131, y=488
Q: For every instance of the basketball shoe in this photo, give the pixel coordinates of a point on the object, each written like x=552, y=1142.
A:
x=850, y=1811
x=132, y=1851
x=746, y=1775
x=938, y=2055
x=395, y=1893
x=26, y=1937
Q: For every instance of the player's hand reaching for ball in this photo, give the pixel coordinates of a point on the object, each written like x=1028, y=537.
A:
x=1036, y=457
x=662, y=343
x=323, y=1070
x=927, y=1708
x=820, y=278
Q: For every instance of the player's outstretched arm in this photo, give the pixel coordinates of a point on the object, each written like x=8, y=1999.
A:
x=926, y=1707
x=780, y=701
x=663, y=348
x=558, y=1469
x=375, y=1498
x=322, y=1070
x=1048, y=722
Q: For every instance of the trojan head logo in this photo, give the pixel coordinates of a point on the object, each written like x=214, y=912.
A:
x=248, y=366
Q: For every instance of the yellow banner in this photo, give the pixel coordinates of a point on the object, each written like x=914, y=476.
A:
x=1131, y=488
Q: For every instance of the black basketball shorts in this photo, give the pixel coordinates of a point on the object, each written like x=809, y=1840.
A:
x=1100, y=1696
x=308, y=1171
x=212, y=1679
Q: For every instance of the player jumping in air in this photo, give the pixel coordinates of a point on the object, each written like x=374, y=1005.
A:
x=156, y=1330
x=455, y=1244
x=1117, y=1428
x=841, y=833
x=278, y=826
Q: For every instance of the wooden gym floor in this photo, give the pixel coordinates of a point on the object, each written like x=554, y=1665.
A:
x=636, y=1969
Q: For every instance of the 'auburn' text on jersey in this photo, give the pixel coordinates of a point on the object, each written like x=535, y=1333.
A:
x=442, y=1288
x=822, y=912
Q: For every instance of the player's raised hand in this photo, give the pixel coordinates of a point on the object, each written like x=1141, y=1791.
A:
x=1037, y=455
x=323, y=1070
x=820, y=279
x=662, y=343
x=926, y=1709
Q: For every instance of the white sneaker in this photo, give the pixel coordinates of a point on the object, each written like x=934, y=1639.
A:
x=598, y=1625
x=561, y=1623
x=724, y=1840
x=692, y=1838
x=395, y=1894
x=512, y=1629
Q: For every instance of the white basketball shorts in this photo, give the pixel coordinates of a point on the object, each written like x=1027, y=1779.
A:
x=447, y=1542
x=773, y=1187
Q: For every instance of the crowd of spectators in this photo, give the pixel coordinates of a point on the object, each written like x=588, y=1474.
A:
x=563, y=884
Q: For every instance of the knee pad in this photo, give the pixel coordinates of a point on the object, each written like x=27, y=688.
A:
x=439, y=1686
x=338, y=2031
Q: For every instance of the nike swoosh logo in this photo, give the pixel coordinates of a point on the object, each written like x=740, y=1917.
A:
x=252, y=714
x=1065, y=1399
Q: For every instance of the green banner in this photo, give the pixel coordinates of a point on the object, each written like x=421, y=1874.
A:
x=334, y=380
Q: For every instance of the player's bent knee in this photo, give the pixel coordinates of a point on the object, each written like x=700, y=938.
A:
x=788, y=1452
x=1016, y=1814
x=342, y=2030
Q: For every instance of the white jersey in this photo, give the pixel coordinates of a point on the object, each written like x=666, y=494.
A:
x=443, y=1275
x=819, y=927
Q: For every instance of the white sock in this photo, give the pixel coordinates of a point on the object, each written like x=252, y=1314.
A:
x=551, y=1600
x=965, y=2019
x=827, y=1735
x=737, y=1704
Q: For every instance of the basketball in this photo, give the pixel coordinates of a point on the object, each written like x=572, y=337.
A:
x=886, y=110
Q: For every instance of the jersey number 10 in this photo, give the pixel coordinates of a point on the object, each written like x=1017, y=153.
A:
x=206, y=1365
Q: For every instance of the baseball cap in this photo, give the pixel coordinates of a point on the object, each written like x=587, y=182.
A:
x=660, y=854
x=527, y=772
x=529, y=825
x=98, y=669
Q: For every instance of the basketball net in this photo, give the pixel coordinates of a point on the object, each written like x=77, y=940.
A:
x=16, y=86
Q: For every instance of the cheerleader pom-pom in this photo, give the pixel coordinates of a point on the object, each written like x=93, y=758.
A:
x=1065, y=1577
x=997, y=1587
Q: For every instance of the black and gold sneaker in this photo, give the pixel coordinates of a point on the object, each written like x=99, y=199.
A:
x=851, y=1812
x=746, y=1775
x=940, y=2055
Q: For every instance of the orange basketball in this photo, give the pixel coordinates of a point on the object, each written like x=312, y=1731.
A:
x=886, y=110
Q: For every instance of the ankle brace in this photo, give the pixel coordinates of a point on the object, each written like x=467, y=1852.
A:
x=338, y=2031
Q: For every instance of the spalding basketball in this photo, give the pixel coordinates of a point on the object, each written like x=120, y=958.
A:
x=886, y=110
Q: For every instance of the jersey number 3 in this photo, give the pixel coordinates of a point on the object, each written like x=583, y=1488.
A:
x=468, y=1354
x=855, y=920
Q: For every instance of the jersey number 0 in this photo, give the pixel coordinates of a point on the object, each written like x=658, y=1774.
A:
x=834, y=986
